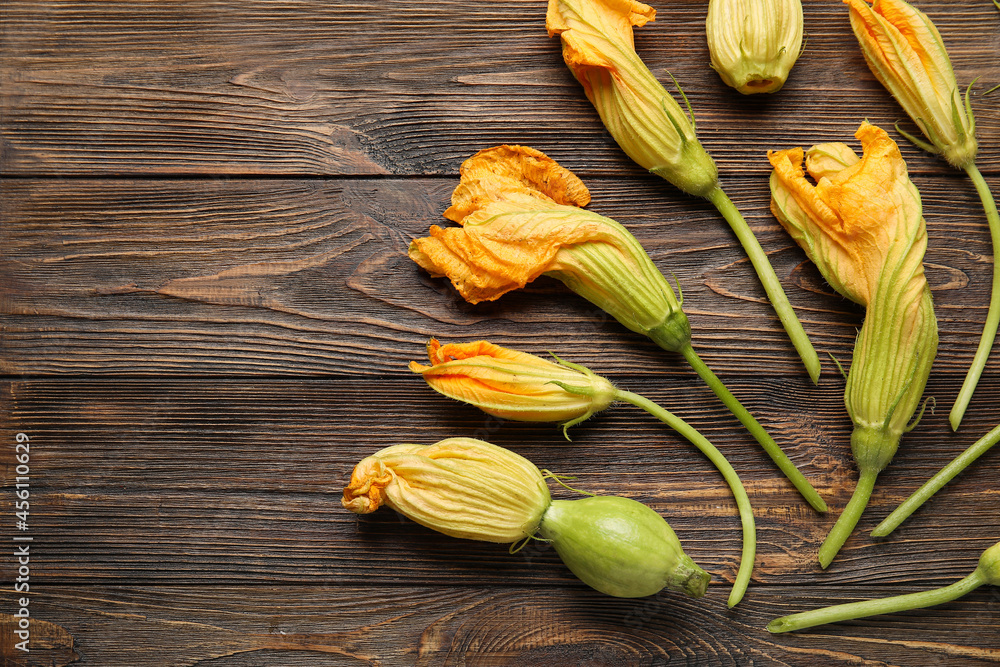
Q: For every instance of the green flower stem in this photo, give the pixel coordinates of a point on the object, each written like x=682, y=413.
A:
x=845, y=612
x=993, y=314
x=768, y=278
x=763, y=437
x=724, y=467
x=848, y=519
x=934, y=484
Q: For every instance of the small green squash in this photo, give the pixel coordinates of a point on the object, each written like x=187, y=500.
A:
x=620, y=547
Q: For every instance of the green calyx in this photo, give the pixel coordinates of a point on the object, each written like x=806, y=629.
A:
x=599, y=389
x=692, y=169
x=674, y=333
x=693, y=172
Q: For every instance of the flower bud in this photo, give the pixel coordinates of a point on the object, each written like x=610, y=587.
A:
x=905, y=52
x=461, y=487
x=636, y=109
x=516, y=228
x=515, y=385
x=754, y=43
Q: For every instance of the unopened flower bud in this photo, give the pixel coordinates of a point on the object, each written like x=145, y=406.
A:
x=640, y=114
x=905, y=52
x=471, y=489
x=754, y=43
x=515, y=385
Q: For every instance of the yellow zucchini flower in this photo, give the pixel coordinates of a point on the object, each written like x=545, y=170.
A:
x=461, y=487
x=905, y=52
x=754, y=43
x=515, y=385
x=907, y=55
x=862, y=225
x=520, y=218
x=649, y=125
x=639, y=113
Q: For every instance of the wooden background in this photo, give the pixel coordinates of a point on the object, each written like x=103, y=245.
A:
x=208, y=311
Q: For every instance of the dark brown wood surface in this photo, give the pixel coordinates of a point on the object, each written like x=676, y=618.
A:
x=208, y=310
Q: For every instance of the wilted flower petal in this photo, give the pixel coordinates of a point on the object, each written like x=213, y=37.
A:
x=652, y=129
x=906, y=54
x=507, y=242
x=512, y=235
x=636, y=109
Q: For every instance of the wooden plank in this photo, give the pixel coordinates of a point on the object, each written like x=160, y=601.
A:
x=322, y=88
x=305, y=277
x=231, y=481
x=240, y=626
x=207, y=312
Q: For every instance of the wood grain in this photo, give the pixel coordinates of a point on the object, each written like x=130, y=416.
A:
x=207, y=311
x=332, y=88
x=300, y=276
x=490, y=627
x=237, y=479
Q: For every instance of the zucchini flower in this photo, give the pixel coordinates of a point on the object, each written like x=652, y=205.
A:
x=987, y=572
x=754, y=43
x=472, y=489
x=904, y=51
x=649, y=125
x=862, y=226
x=519, y=222
x=511, y=384
x=906, y=54
x=520, y=218
x=515, y=385
x=461, y=487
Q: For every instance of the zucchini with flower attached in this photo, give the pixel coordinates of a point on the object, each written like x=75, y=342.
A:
x=472, y=489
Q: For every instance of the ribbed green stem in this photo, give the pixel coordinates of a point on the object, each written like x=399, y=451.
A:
x=934, y=484
x=724, y=467
x=768, y=278
x=845, y=612
x=993, y=314
x=848, y=518
x=756, y=430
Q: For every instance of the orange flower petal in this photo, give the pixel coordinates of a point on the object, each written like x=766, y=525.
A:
x=497, y=173
x=366, y=491
x=615, y=17
x=485, y=261
x=905, y=52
